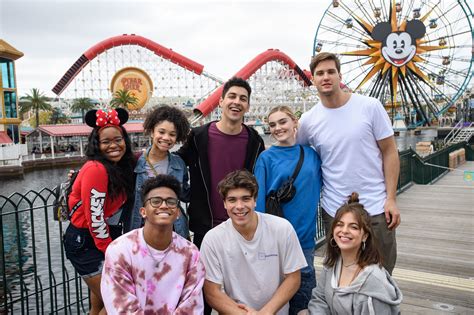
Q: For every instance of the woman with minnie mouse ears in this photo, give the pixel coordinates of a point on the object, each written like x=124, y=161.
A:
x=99, y=193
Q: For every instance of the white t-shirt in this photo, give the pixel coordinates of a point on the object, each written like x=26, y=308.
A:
x=346, y=140
x=251, y=271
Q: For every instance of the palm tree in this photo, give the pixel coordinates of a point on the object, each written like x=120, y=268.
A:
x=34, y=101
x=58, y=117
x=81, y=105
x=122, y=98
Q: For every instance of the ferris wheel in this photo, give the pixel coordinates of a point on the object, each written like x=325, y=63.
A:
x=415, y=56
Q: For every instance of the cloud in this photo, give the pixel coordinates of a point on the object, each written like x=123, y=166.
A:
x=221, y=35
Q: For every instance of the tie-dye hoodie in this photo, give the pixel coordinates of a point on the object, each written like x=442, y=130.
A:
x=169, y=282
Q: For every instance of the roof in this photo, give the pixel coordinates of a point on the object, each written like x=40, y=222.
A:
x=26, y=130
x=4, y=138
x=8, y=51
x=81, y=129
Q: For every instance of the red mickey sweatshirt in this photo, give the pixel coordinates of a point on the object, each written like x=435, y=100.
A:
x=97, y=206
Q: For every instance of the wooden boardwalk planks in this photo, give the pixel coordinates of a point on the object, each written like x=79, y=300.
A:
x=435, y=264
x=436, y=237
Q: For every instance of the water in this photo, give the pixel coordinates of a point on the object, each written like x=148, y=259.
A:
x=405, y=140
x=34, y=181
x=31, y=237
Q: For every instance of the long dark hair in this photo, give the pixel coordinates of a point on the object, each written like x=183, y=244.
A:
x=120, y=174
x=367, y=256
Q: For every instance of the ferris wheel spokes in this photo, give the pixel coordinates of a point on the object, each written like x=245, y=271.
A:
x=435, y=64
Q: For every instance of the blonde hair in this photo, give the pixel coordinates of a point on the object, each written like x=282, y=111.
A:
x=284, y=109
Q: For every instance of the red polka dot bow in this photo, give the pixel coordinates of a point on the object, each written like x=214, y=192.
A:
x=107, y=118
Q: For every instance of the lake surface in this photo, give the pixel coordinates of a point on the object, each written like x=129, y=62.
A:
x=34, y=180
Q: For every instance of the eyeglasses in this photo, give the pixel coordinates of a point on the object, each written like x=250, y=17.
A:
x=108, y=142
x=157, y=201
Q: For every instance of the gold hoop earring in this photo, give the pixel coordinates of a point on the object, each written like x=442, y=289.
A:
x=331, y=241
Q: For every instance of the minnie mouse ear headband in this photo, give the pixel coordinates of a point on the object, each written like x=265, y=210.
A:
x=99, y=118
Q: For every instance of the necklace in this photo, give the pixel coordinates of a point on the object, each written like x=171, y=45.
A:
x=352, y=264
x=157, y=262
x=151, y=166
x=356, y=273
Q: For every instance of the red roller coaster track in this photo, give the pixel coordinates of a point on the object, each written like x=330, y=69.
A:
x=209, y=104
x=124, y=39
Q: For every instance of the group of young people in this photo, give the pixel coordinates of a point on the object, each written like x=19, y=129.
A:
x=242, y=260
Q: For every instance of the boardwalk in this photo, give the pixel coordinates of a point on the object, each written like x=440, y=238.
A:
x=435, y=266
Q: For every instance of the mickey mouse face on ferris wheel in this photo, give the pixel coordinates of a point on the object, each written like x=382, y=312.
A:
x=398, y=48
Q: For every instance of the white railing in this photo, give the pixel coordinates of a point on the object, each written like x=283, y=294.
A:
x=12, y=154
x=454, y=131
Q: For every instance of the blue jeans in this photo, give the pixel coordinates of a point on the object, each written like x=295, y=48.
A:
x=181, y=225
x=308, y=282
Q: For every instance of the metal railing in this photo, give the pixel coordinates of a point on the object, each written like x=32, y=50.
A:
x=425, y=174
x=454, y=131
x=320, y=230
x=35, y=277
x=428, y=169
x=414, y=169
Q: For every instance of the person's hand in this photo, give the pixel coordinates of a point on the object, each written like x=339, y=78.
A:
x=70, y=173
x=248, y=309
x=251, y=311
x=392, y=214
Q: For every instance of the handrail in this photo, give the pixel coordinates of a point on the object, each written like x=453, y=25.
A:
x=452, y=134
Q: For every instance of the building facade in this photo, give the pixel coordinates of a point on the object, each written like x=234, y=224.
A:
x=9, y=114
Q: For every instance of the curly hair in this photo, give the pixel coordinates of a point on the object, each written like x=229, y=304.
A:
x=367, y=256
x=161, y=180
x=119, y=174
x=171, y=114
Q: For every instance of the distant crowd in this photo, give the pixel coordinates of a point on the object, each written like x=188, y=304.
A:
x=244, y=244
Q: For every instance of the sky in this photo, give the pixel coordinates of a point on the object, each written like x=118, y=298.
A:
x=222, y=35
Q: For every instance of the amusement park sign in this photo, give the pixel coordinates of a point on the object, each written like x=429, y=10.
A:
x=136, y=81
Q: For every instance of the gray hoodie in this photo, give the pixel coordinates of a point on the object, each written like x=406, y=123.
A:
x=373, y=292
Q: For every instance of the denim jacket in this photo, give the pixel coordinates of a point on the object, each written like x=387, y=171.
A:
x=176, y=168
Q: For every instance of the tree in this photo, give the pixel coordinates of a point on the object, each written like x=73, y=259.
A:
x=122, y=98
x=58, y=117
x=82, y=105
x=44, y=118
x=35, y=101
